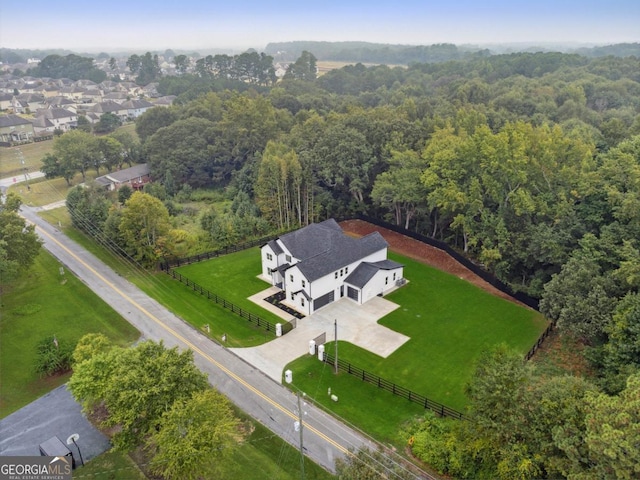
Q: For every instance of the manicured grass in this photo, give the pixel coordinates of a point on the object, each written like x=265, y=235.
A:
x=234, y=278
x=375, y=411
x=180, y=299
x=199, y=311
x=43, y=303
x=450, y=323
x=32, y=153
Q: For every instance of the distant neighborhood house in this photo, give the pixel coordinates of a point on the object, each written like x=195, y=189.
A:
x=136, y=177
x=14, y=128
x=319, y=264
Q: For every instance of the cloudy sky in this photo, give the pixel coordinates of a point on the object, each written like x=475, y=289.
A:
x=199, y=24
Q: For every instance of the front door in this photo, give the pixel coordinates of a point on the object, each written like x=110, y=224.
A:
x=341, y=291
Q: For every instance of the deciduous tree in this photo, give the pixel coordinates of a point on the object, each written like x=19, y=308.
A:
x=19, y=244
x=196, y=438
x=137, y=386
x=144, y=221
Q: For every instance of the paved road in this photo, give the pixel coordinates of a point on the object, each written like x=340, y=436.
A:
x=325, y=438
x=8, y=181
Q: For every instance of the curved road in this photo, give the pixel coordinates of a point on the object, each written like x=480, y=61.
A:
x=325, y=438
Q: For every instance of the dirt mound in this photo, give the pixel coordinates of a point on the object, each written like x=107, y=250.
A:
x=424, y=253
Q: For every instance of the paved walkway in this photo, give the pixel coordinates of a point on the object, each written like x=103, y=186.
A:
x=357, y=324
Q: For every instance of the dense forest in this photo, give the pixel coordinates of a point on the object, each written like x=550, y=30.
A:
x=527, y=163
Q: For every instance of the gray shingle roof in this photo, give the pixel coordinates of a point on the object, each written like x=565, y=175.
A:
x=312, y=239
x=366, y=270
x=126, y=174
x=12, y=120
x=323, y=248
x=361, y=275
x=275, y=247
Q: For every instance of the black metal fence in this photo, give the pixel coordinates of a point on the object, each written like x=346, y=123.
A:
x=251, y=317
x=438, y=408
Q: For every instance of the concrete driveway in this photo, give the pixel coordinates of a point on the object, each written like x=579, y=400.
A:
x=357, y=324
x=54, y=414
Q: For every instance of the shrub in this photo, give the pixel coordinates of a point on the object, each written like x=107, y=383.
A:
x=53, y=356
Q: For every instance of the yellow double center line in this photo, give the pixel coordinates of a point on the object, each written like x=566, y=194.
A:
x=192, y=346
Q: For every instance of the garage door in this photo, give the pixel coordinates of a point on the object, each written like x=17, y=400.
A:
x=323, y=300
x=352, y=293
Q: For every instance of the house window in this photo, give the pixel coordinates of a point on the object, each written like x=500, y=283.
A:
x=386, y=280
x=292, y=297
x=304, y=283
x=346, y=270
x=302, y=302
x=291, y=278
x=336, y=275
x=288, y=257
x=269, y=256
x=341, y=272
x=394, y=275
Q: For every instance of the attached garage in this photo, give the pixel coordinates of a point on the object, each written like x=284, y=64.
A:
x=323, y=300
x=352, y=293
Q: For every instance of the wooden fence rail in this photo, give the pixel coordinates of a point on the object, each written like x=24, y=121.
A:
x=397, y=390
x=251, y=317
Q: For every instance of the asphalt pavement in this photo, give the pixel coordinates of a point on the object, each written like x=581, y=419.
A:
x=53, y=414
x=324, y=437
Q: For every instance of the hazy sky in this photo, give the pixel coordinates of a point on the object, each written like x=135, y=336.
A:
x=198, y=24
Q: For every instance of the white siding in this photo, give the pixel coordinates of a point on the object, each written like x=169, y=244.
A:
x=381, y=282
x=268, y=265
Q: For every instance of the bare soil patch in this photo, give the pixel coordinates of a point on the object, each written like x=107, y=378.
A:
x=424, y=253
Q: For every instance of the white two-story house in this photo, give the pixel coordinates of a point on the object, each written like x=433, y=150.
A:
x=319, y=264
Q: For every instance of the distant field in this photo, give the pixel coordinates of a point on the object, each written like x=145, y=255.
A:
x=326, y=65
x=43, y=192
x=10, y=164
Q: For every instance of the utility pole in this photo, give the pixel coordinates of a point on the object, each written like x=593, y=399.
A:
x=301, y=438
x=335, y=360
x=24, y=167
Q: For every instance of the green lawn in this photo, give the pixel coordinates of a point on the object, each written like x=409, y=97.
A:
x=32, y=153
x=234, y=278
x=265, y=455
x=42, y=303
x=450, y=323
x=180, y=299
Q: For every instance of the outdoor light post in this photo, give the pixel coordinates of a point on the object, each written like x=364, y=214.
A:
x=72, y=439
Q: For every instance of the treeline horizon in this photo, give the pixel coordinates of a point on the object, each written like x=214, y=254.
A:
x=352, y=51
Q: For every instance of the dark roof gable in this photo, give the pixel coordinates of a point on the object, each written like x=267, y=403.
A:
x=322, y=248
x=366, y=270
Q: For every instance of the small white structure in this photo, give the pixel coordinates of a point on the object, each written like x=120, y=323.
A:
x=319, y=264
